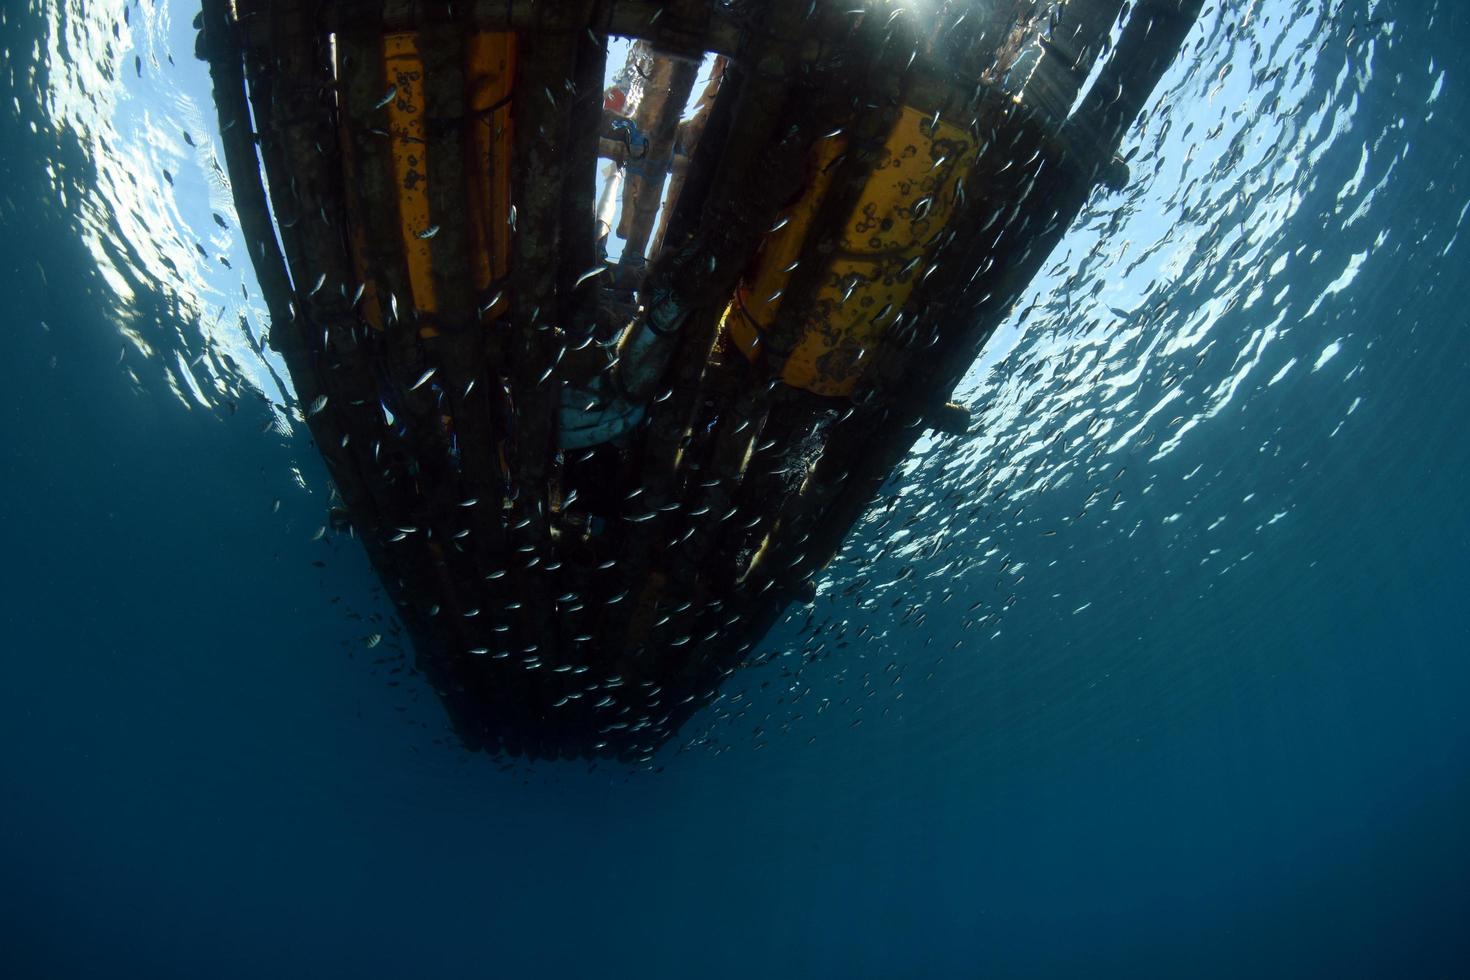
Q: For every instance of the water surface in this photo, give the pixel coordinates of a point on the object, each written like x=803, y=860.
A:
x=1161, y=672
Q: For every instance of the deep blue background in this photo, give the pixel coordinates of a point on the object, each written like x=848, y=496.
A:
x=1265, y=772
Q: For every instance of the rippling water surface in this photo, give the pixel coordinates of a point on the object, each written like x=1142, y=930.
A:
x=1161, y=672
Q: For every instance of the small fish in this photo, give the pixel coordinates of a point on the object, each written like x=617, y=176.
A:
x=321, y=281
x=423, y=379
x=389, y=96
x=374, y=640
x=592, y=273
x=220, y=221
x=428, y=233
x=491, y=302
x=357, y=293
x=317, y=405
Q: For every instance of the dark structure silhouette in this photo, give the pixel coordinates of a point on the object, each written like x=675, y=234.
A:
x=592, y=478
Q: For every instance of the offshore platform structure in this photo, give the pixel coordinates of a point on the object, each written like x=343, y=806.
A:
x=591, y=481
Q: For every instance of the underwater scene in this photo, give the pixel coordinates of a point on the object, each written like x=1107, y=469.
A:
x=735, y=488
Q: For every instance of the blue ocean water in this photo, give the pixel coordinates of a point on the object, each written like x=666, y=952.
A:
x=1206, y=720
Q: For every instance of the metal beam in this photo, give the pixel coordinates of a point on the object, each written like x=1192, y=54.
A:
x=637, y=19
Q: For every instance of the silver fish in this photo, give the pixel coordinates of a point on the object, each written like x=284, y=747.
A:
x=592, y=273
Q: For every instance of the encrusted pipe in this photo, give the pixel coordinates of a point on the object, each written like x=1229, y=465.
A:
x=647, y=345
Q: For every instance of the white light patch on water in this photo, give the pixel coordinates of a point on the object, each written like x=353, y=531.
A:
x=1285, y=368
x=1340, y=283
x=190, y=381
x=1328, y=353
